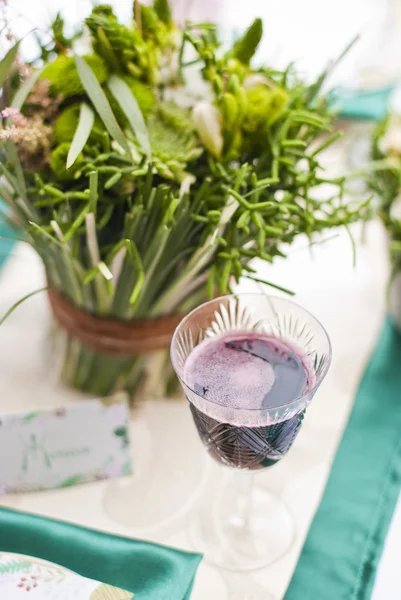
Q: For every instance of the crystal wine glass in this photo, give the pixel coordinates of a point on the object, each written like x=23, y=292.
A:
x=249, y=365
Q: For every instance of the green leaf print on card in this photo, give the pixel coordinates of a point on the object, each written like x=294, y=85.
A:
x=108, y=592
x=122, y=432
x=30, y=416
x=73, y=480
x=34, y=450
x=127, y=467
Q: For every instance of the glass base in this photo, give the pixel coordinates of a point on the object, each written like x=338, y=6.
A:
x=166, y=481
x=229, y=541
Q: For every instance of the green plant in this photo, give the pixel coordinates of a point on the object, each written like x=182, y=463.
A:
x=385, y=181
x=143, y=199
x=63, y=74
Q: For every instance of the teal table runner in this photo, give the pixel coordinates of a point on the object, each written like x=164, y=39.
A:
x=346, y=538
x=150, y=571
x=354, y=105
x=6, y=245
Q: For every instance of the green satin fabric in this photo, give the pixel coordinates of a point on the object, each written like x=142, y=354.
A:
x=150, y=571
x=359, y=105
x=346, y=538
x=6, y=245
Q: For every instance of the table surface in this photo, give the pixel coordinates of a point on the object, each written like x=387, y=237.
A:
x=351, y=304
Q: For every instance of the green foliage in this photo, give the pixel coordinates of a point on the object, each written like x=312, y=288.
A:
x=128, y=103
x=57, y=28
x=7, y=62
x=265, y=105
x=130, y=49
x=144, y=95
x=122, y=47
x=246, y=46
x=82, y=133
x=59, y=42
x=58, y=162
x=385, y=182
x=100, y=102
x=176, y=117
x=150, y=21
x=64, y=78
x=172, y=142
x=105, y=10
x=66, y=124
x=163, y=11
x=111, y=40
x=155, y=29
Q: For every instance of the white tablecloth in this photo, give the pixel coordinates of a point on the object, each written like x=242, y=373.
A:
x=351, y=305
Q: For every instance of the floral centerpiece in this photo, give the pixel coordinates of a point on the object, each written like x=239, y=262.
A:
x=149, y=170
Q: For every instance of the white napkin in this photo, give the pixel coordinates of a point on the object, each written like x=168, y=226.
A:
x=47, y=581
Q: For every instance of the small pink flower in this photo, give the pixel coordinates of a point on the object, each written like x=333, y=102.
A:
x=10, y=112
x=14, y=114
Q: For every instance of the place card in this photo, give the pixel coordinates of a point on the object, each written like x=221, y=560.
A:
x=69, y=445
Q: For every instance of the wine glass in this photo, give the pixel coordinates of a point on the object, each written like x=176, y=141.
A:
x=249, y=365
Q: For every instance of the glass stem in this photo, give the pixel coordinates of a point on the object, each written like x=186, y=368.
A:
x=245, y=485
